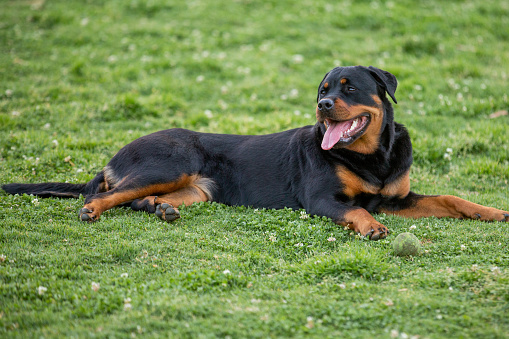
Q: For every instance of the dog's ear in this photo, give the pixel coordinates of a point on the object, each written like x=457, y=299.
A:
x=386, y=80
x=321, y=83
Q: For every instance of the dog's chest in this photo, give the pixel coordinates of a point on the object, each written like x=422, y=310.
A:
x=353, y=185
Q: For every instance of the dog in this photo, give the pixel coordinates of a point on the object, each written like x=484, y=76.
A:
x=353, y=162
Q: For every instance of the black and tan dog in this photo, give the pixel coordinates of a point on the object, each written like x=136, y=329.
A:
x=355, y=160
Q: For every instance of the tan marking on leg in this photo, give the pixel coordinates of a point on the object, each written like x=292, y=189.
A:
x=443, y=206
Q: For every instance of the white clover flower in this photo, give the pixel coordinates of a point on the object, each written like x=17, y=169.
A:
x=95, y=286
x=2, y=257
x=495, y=270
x=41, y=290
x=463, y=247
x=310, y=323
x=35, y=202
x=331, y=239
x=298, y=59
x=225, y=272
x=124, y=275
x=342, y=286
x=413, y=227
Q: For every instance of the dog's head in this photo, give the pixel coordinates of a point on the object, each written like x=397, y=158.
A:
x=353, y=107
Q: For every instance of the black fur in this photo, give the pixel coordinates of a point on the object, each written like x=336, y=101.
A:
x=56, y=189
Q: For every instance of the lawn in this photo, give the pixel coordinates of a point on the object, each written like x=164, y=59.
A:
x=80, y=79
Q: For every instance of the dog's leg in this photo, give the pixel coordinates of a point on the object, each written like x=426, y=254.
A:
x=164, y=205
x=355, y=218
x=440, y=206
x=129, y=190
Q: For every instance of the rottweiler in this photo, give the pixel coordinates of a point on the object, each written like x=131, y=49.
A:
x=353, y=162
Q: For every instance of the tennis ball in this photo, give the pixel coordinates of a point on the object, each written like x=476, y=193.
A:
x=406, y=244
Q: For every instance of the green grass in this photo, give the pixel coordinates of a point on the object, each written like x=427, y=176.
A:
x=80, y=79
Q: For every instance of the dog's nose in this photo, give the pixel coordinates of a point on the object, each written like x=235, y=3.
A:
x=325, y=104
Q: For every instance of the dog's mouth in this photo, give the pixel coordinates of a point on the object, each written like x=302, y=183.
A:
x=343, y=133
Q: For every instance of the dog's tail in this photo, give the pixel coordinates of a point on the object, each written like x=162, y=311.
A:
x=57, y=189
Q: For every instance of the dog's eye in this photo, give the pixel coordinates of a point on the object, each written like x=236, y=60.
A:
x=351, y=89
x=322, y=92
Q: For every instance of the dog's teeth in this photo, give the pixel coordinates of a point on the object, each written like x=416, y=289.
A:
x=354, y=125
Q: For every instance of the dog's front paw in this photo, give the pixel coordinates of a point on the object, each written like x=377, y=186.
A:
x=377, y=231
x=360, y=221
x=490, y=214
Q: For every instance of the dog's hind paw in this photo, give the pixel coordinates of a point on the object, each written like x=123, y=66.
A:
x=88, y=215
x=167, y=212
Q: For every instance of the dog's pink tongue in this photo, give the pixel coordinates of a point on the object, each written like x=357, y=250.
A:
x=334, y=133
